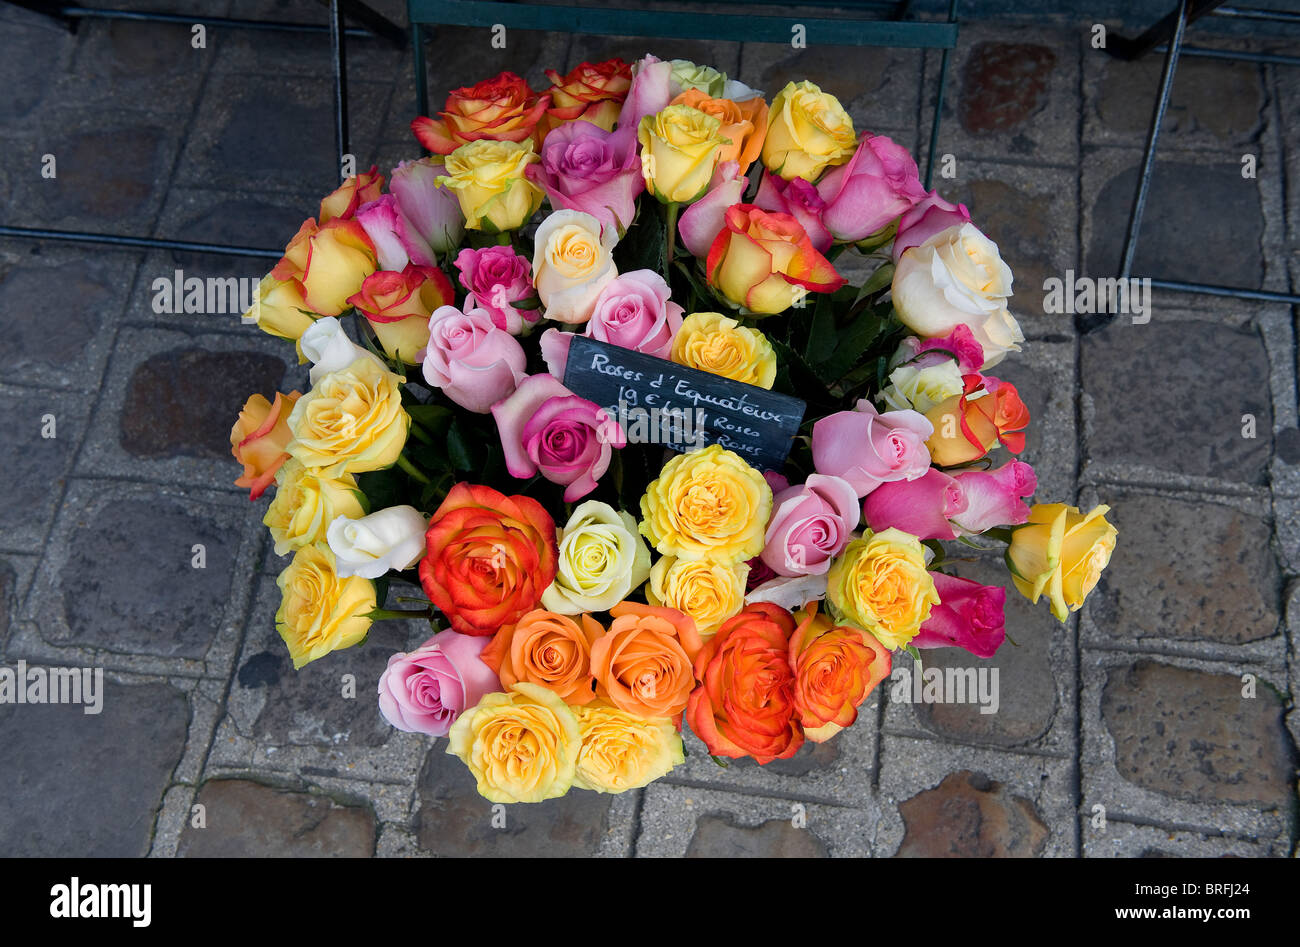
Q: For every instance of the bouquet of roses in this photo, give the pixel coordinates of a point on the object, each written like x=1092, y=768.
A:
x=595, y=588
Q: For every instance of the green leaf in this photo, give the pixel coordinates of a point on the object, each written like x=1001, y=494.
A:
x=434, y=418
x=458, y=448
x=822, y=337
x=877, y=281
x=797, y=378
x=853, y=343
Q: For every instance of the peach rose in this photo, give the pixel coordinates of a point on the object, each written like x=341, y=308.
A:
x=503, y=108
x=356, y=191
x=643, y=663
x=398, y=306
x=744, y=124
x=835, y=667
x=547, y=649
x=591, y=92
x=259, y=438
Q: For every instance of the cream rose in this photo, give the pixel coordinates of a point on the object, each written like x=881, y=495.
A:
x=572, y=263
x=957, y=277
x=329, y=349
x=391, y=538
x=602, y=558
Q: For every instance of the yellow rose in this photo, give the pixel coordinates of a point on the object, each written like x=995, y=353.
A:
x=807, y=132
x=1060, y=552
x=602, y=558
x=351, y=421
x=306, y=503
x=713, y=343
x=622, y=751
x=679, y=150
x=320, y=612
x=280, y=309
x=913, y=388
x=572, y=263
x=488, y=180
x=707, y=592
x=520, y=746
x=880, y=585
x=329, y=262
x=707, y=504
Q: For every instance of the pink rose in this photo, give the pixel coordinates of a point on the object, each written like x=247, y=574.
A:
x=546, y=428
x=379, y=220
x=923, y=507
x=969, y=615
x=470, y=359
x=651, y=91
x=497, y=277
x=867, y=448
x=588, y=169
x=700, y=224
x=960, y=344
x=633, y=311
x=995, y=497
x=926, y=218
x=810, y=525
x=426, y=690
x=429, y=221
x=878, y=184
x=801, y=201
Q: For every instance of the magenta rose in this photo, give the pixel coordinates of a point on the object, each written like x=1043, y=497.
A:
x=379, y=219
x=497, y=277
x=633, y=311
x=923, y=507
x=960, y=344
x=701, y=223
x=878, y=184
x=925, y=219
x=588, y=169
x=545, y=428
x=810, y=525
x=995, y=497
x=429, y=219
x=475, y=363
x=969, y=615
x=801, y=201
x=426, y=690
x=868, y=448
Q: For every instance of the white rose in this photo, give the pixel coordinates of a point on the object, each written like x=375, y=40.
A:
x=958, y=277
x=572, y=264
x=330, y=349
x=789, y=593
x=391, y=538
x=602, y=558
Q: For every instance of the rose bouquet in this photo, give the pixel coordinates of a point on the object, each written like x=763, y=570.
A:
x=592, y=590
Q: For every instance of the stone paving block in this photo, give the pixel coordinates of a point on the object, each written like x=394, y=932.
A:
x=1203, y=221
x=1125, y=840
x=44, y=431
x=1143, y=408
x=453, y=820
x=118, y=584
x=1012, y=94
x=881, y=91
x=1224, y=763
x=77, y=785
x=1213, y=104
x=304, y=721
x=248, y=819
x=58, y=310
x=16, y=573
x=1293, y=658
x=31, y=39
x=1031, y=212
x=1188, y=574
x=1035, y=681
x=259, y=219
x=693, y=822
x=247, y=139
x=397, y=841
x=170, y=399
x=966, y=801
x=1279, y=334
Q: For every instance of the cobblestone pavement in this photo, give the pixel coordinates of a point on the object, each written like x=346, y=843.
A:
x=1124, y=732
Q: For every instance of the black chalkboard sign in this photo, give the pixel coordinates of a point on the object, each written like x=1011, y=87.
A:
x=660, y=402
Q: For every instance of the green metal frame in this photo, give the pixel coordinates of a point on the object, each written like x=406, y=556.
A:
x=838, y=30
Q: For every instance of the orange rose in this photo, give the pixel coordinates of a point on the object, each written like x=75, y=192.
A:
x=643, y=663
x=967, y=428
x=835, y=668
x=398, y=306
x=359, y=189
x=489, y=558
x=591, y=92
x=745, y=704
x=547, y=649
x=743, y=123
x=766, y=262
x=259, y=438
x=499, y=109
x=329, y=262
